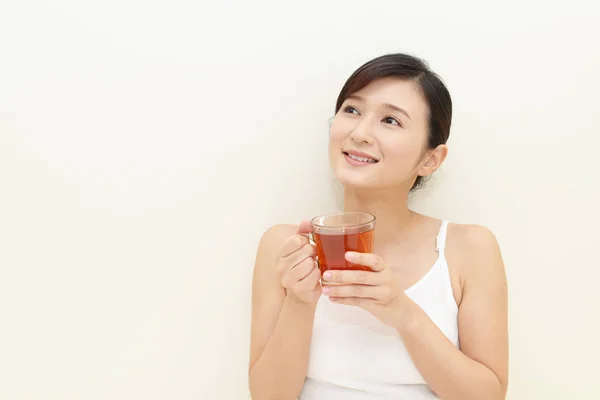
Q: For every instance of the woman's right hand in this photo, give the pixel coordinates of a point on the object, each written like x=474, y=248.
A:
x=298, y=271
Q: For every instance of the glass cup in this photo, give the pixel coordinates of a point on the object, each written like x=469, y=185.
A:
x=335, y=234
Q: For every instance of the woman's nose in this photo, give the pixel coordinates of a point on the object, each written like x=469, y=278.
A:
x=362, y=132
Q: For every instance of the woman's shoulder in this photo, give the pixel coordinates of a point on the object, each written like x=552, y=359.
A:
x=474, y=250
x=472, y=238
x=467, y=237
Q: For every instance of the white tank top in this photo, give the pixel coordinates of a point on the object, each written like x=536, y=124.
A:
x=353, y=356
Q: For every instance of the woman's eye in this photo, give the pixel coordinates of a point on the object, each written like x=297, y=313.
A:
x=351, y=110
x=391, y=121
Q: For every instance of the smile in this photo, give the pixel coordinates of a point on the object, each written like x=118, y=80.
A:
x=354, y=159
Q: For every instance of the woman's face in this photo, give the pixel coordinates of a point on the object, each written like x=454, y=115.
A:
x=378, y=138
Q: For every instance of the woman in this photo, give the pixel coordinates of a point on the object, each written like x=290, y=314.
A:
x=429, y=320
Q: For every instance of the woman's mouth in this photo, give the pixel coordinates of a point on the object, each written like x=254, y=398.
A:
x=356, y=159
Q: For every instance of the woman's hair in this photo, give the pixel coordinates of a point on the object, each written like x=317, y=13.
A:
x=433, y=90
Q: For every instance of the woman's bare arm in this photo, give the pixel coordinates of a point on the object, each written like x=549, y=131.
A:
x=281, y=325
x=479, y=370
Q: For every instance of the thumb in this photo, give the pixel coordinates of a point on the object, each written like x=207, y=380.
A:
x=305, y=227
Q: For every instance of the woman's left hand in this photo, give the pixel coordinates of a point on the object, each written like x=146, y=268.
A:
x=375, y=291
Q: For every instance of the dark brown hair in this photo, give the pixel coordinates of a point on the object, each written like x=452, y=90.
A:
x=433, y=90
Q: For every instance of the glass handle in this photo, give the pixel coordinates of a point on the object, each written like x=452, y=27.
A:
x=311, y=239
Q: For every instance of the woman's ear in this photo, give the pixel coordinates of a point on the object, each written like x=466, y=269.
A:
x=433, y=160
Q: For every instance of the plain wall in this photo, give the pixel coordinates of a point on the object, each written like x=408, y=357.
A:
x=146, y=146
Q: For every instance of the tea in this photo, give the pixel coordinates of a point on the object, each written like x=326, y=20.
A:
x=332, y=247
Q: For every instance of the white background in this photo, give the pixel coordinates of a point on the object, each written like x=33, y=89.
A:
x=146, y=145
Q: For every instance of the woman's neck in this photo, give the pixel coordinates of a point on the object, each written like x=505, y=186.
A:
x=390, y=208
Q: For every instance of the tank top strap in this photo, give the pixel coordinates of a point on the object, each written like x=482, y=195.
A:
x=441, y=237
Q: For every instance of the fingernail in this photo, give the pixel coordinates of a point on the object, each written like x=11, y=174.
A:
x=327, y=275
x=326, y=289
x=350, y=255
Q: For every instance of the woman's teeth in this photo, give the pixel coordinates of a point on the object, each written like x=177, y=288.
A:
x=362, y=159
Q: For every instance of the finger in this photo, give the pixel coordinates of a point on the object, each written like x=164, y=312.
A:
x=354, y=277
x=308, y=250
x=310, y=285
x=295, y=242
x=361, y=291
x=366, y=259
x=293, y=275
x=305, y=227
x=311, y=281
x=292, y=244
x=302, y=270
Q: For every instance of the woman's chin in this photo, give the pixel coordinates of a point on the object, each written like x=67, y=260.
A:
x=354, y=178
x=356, y=181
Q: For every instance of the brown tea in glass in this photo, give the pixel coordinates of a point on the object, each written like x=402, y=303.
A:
x=335, y=234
